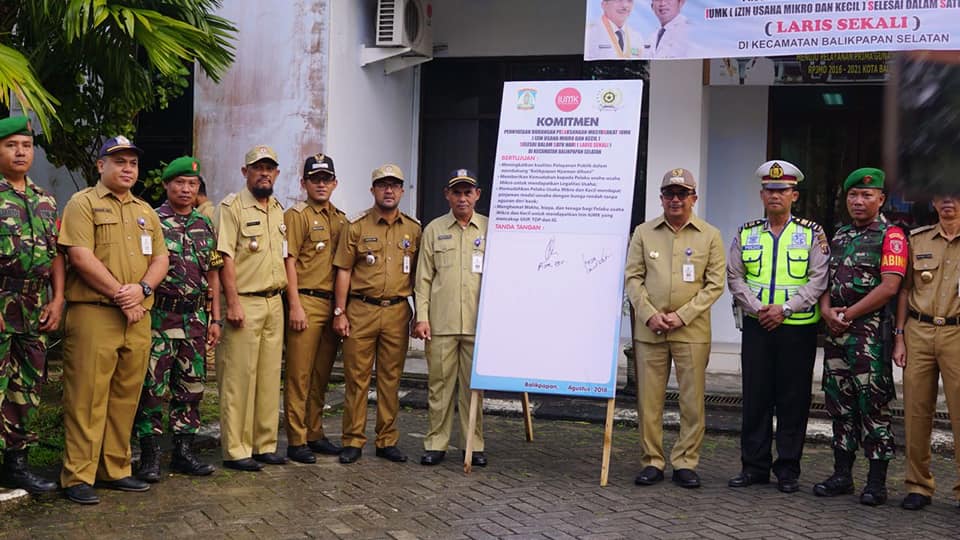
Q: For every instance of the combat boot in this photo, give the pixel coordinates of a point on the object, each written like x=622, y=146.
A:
x=149, y=469
x=841, y=482
x=184, y=461
x=875, y=493
x=17, y=474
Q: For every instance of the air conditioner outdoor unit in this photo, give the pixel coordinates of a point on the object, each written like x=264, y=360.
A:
x=404, y=35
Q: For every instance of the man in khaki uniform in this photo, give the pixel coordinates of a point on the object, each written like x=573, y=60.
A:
x=447, y=294
x=375, y=266
x=204, y=205
x=313, y=230
x=927, y=340
x=117, y=255
x=675, y=272
x=251, y=236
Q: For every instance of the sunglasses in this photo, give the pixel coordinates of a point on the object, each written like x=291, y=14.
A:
x=680, y=195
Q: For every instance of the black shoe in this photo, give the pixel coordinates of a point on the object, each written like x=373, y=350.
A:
x=349, y=454
x=17, y=474
x=432, y=457
x=875, y=492
x=841, y=481
x=245, y=464
x=914, y=501
x=184, y=461
x=479, y=459
x=391, y=453
x=149, y=468
x=745, y=479
x=129, y=483
x=788, y=485
x=81, y=494
x=270, y=458
x=686, y=478
x=301, y=454
x=325, y=446
x=649, y=476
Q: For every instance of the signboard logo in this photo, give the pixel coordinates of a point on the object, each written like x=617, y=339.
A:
x=609, y=99
x=568, y=99
x=526, y=99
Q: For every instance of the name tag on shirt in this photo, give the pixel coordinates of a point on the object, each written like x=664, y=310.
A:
x=477, y=263
x=406, y=264
x=286, y=252
x=688, y=272
x=146, y=244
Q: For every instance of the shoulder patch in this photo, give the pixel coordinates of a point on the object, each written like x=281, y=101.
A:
x=919, y=230
x=358, y=216
x=804, y=222
x=228, y=200
x=300, y=206
x=411, y=218
x=750, y=224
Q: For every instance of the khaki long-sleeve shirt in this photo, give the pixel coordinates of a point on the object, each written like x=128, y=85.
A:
x=654, y=277
x=447, y=289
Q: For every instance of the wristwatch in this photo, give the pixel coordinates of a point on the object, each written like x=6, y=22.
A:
x=898, y=331
x=147, y=289
x=337, y=311
x=787, y=311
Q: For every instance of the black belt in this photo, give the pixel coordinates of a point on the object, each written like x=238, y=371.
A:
x=95, y=303
x=316, y=293
x=176, y=304
x=21, y=285
x=263, y=294
x=382, y=302
x=936, y=321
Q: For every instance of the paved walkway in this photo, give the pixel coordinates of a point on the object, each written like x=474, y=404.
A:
x=545, y=489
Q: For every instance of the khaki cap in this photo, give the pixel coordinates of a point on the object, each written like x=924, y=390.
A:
x=387, y=171
x=261, y=151
x=679, y=177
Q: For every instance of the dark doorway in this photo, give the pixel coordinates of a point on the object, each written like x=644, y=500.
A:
x=827, y=131
x=460, y=118
x=164, y=136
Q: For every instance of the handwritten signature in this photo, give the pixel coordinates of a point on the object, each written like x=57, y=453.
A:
x=551, y=258
x=592, y=263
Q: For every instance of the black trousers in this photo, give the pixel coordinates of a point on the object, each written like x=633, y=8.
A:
x=777, y=371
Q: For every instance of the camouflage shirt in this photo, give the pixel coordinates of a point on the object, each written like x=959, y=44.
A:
x=859, y=256
x=193, y=252
x=28, y=245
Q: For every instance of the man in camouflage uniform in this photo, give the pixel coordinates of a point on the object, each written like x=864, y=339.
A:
x=29, y=262
x=868, y=260
x=183, y=326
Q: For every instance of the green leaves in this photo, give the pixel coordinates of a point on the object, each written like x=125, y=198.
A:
x=18, y=79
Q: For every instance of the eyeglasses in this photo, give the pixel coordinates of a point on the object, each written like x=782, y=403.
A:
x=321, y=179
x=387, y=185
x=680, y=195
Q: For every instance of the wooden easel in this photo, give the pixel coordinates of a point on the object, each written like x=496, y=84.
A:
x=528, y=430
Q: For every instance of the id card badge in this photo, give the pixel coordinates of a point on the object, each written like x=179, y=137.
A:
x=146, y=244
x=688, y=272
x=477, y=264
x=406, y=264
x=286, y=252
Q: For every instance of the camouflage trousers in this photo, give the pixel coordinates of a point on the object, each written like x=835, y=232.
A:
x=858, y=388
x=22, y=373
x=176, y=368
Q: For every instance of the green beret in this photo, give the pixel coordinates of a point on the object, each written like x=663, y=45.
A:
x=182, y=166
x=15, y=125
x=867, y=177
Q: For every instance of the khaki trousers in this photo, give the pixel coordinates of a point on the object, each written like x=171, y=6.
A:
x=310, y=356
x=932, y=352
x=449, y=365
x=653, y=370
x=380, y=333
x=104, y=363
x=248, y=367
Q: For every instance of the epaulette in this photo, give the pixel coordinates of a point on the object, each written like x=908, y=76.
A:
x=300, y=206
x=341, y=212
x=751, y=224
x=228, y=200
x=804, y=222
x=411, y=218
x=358, y=216
x=919, y=230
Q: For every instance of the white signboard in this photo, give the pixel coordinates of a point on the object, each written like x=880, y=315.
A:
x=550, y=303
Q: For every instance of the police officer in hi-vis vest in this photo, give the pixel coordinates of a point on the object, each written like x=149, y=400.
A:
x=776, y=271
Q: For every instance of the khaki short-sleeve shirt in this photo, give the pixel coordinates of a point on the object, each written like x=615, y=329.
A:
x=254, y=238
x=447, y=289
x=313, y=232
x=115, y=231
x=933, y=273
x=378, y=252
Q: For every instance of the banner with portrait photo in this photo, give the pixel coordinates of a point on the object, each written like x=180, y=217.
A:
x=678, y=29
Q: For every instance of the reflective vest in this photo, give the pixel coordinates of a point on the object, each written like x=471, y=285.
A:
x=777, y=267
